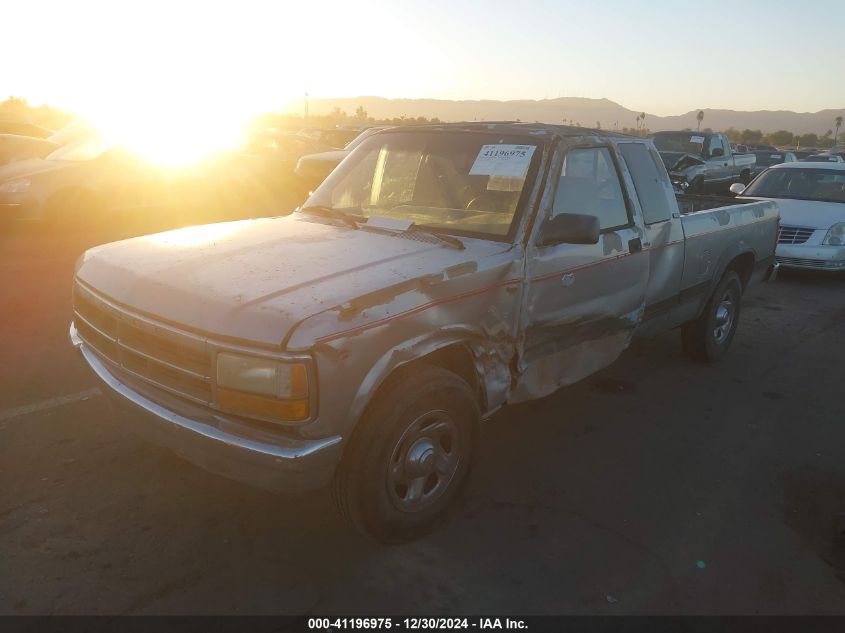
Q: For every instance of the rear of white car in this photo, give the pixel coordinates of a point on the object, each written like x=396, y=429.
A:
x=811, y=198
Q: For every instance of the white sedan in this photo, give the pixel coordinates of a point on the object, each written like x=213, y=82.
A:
x=811, y=197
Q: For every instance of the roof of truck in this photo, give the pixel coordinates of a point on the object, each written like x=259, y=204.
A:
x=516, y=127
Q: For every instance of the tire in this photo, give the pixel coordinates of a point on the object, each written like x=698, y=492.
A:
x=410, y=457
x=708, y=338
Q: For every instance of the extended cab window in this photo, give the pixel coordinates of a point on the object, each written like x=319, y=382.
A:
x=650, y=181
x=589, y=184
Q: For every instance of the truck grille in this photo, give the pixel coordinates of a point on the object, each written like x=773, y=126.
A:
x=794, y=234
x=166, y=357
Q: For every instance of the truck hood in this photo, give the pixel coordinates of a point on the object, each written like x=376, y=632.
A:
x=809, y=213
x=678, y=161
x=255, y=280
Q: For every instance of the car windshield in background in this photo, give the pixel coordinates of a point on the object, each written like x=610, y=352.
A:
x=822, y=158
x=767, y=159
x=688, y=142
x=87, y=149
x=822, y=185
x=467, y=183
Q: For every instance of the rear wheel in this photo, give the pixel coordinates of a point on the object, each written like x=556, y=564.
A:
x=708, y=338
x=410, y=456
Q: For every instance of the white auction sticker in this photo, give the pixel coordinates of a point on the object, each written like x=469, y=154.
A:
x=696, y=139
x=510, y=161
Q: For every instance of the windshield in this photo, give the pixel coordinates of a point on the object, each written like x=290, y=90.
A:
x=687, y=142
x=461, y=182
x=87, y=149
x=823, y=185
x=767, y=159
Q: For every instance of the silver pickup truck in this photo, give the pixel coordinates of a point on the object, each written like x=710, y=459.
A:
x=438, y=274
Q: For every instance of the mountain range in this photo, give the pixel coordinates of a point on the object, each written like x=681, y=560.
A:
x=587, y=112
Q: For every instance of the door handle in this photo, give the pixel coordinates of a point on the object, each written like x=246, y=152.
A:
x=635, y=245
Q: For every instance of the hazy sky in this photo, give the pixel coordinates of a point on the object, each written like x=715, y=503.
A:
x=663, y=57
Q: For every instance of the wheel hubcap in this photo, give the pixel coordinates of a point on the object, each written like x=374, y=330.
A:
x=723, y=319
x=424, y=461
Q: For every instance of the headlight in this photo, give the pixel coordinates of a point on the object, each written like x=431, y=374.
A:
x=262, y=387
x=20, y=185
x=836, y=235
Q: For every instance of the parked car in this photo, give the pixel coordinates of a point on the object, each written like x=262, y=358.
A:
x=767, y=159
x=801, y=154
x=93, y=182
x=276, y=155
x=703, y=162
x=24, y=128
x=811, y=198
x=439, y=273
x=336, y=137
x=823, y=158
x=14, y=147
x=313, y=168
x=739, y=148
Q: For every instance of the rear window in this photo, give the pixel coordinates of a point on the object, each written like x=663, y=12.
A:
x=654, y=190
x=767, y=159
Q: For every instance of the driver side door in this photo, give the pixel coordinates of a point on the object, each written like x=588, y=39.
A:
x=581, y=302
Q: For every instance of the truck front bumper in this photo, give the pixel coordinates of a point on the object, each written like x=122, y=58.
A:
x=224, y=446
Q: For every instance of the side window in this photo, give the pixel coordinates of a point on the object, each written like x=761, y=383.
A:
x=650, y=181
x=589, y=184
x=714, y=143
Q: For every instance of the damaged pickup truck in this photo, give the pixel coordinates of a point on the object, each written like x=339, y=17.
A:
x=439, y=273
x=703, y=162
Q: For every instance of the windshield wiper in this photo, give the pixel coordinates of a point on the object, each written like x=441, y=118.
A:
x=336, y=214
x=449, y=240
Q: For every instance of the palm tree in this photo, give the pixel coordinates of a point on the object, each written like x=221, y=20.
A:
x=638, y=122
x=838, y=122
x=699, y=117
x=642, y=118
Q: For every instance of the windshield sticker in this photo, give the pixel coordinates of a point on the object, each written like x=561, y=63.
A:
x=696, y=139
x=774, y=155
x=510, y=161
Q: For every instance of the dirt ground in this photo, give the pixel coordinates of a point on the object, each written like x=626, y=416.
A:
x=656, y=486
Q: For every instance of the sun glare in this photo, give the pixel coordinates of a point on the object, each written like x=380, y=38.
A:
x=195, y=235
x=175, y=137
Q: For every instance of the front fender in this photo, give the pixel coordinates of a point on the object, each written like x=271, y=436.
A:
x=491, y=362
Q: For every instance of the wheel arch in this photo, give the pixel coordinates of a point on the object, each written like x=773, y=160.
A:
x=460, y=353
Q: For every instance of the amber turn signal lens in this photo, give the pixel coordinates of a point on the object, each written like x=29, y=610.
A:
x=253, y=406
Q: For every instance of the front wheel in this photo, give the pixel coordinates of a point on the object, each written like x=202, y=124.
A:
x=708, y=338
x=410, y=456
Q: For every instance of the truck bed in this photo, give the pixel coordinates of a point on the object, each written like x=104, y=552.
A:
x=688, y=203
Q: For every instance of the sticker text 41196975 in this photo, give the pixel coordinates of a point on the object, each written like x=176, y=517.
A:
x=501, y=159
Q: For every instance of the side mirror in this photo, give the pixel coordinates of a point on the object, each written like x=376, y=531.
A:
x=737, y=188
x=717, y=151
x=570, y=228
